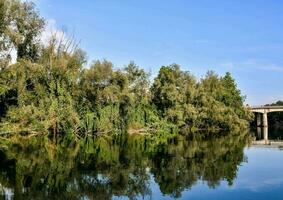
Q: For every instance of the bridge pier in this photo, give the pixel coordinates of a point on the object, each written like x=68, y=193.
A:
x=262, y=136
x=259, y=134
x=258, y=119
x=265, y=134
x=264, y=119
x=261, y=119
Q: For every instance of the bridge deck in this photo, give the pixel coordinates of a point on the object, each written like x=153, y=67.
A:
x=266, y=107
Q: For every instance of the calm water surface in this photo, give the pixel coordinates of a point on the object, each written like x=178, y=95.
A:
x=225, y=166
x=261, y=177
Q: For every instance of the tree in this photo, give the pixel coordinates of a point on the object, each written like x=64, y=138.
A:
x=138, y=81
x=173, y=93
x=45, y=92
x=20, y=29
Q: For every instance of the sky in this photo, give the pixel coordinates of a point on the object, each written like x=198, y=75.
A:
x=239, y=36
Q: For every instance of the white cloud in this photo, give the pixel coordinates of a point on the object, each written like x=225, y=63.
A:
x=52, y=30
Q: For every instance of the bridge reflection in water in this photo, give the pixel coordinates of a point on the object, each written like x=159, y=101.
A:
x=262, y=138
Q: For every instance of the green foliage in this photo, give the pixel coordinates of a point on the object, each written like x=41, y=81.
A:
x=213, y=103
x=46, y=90
x=20, y=28
x=50, y=91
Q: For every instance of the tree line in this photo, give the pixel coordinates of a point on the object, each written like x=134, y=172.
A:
x=50, y=89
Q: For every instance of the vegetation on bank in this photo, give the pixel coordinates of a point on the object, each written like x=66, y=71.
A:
x=51, y=91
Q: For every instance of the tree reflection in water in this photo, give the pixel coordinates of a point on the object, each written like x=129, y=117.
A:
x=121, y=166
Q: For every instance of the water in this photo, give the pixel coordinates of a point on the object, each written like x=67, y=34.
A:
x=225, y=166
x=260, y=178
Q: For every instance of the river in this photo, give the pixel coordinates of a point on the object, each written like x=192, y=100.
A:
x=196, y=166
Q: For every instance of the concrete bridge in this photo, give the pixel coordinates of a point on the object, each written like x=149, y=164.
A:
x=261, y=112
x=261, y=139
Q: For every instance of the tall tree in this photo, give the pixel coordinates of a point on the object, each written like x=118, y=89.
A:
x=173, y=92
x=20, y=29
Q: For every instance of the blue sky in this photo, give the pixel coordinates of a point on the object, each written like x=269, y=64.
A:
x=243, y=37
